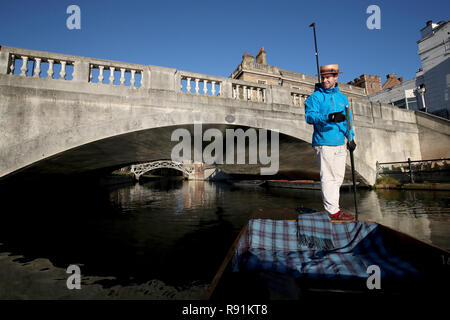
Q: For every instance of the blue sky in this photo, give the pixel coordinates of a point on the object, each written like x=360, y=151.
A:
x=211, y=36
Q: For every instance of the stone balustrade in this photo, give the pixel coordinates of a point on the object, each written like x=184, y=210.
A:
x=36, y=66
x=116, y=75
x=200, y=85
x=248, y=91
x=47, y=65
x=104, y=76
x=298, y=99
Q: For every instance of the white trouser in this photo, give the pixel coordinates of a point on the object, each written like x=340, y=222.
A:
x=332, y=169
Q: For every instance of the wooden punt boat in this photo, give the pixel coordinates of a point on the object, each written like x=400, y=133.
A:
x=249, y=183
x=431, y=262
x=302, y=184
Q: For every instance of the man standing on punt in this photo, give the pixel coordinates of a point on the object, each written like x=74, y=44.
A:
x=325, y=109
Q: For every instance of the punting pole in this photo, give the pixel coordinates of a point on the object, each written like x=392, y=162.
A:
x=352, y=162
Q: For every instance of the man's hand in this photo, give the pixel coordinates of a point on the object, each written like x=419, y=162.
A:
x=351, y=145
x=336, y=117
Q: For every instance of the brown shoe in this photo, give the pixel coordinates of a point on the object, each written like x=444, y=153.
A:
x=341, y=216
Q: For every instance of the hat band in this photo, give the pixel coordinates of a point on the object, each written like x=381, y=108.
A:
x=329, y=71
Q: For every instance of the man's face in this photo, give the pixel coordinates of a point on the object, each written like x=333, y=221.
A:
x=329, y=80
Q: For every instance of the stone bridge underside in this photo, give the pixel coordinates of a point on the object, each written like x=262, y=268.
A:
x=57, y=126
x=297, y=158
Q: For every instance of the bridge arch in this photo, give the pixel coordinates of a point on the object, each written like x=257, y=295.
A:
x=147, y=125
x=49, y=147
x=139, y=169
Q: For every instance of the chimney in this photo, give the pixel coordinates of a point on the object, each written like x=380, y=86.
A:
x=247, y=57
x=391, y=81
x=261, y=57
x=428, y=29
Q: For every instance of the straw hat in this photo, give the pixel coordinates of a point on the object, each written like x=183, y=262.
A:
x=329, y=68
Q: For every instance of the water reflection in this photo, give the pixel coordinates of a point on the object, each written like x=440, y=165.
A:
x=164, y=239
x=422, y=214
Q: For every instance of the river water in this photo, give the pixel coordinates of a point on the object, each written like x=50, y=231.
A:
x=163, y=239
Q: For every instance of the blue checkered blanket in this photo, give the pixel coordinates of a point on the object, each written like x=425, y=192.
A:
x=315, y=231
x=273, y=235
x=274, y=246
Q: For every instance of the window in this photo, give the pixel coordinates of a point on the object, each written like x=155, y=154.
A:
x=400, y=104
x=261, y=82
x=412, y=103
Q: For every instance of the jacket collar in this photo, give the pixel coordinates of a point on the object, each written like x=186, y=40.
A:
x=318, y=87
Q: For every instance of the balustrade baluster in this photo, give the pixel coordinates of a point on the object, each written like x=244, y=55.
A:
x=111, y=75
x=24, y=67
x=62, y=73
x=257, y=94
x=213, y=88
x=100, y=74
x=50, y=69
x=132, y=81
x=196, y=86
x=205, y=88
x=37, y=69
x=122, y=76
x=90, y=73
x=13, y=61
x=188, y=85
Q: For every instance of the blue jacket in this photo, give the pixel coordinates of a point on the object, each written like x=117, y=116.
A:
x=317, y=108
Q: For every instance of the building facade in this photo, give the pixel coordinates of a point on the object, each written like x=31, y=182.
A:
x=258, y=71
x=369, y=82
x=429, y=91
x=434, y=79
x=403, y=95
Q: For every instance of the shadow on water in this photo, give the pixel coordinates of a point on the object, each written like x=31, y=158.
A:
x=175, y=231
x=132, y=237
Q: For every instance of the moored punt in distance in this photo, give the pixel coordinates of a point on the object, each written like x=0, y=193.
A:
x=302, y=184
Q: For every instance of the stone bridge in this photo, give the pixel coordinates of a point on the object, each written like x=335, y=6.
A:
x=139, y=169
x=64, y=114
